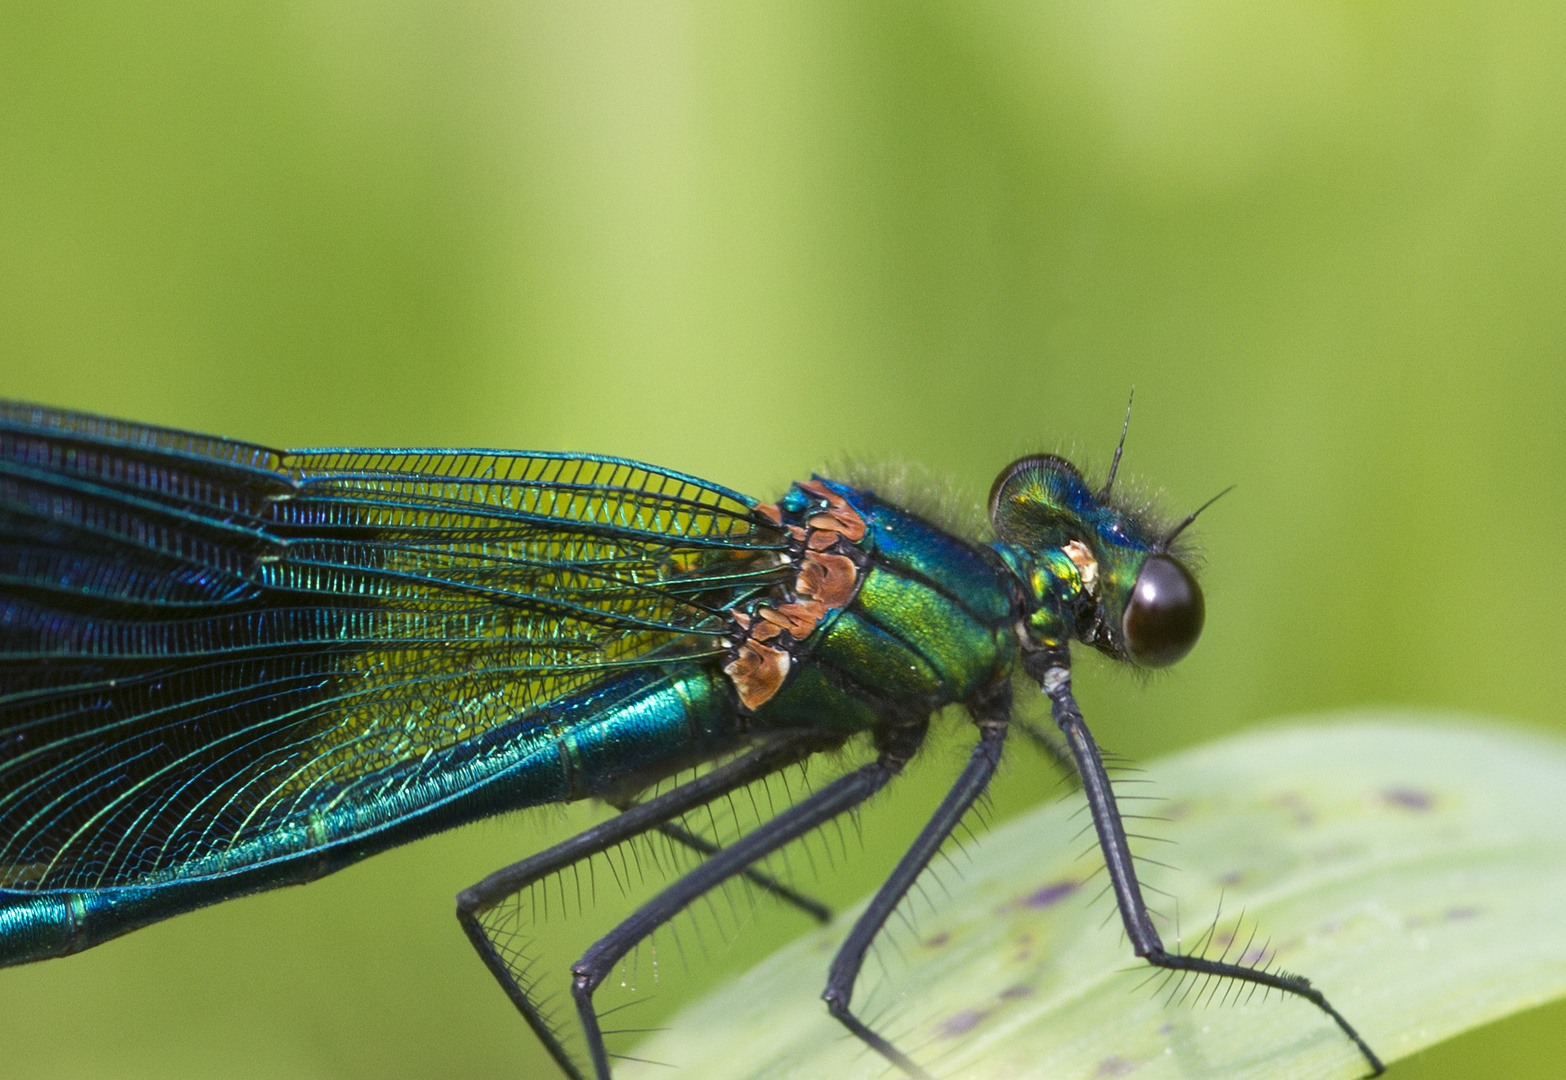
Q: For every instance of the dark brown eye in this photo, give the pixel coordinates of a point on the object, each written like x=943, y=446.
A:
x=1164, y=616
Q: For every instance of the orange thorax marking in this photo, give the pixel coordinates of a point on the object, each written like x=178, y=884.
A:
x=826, y=581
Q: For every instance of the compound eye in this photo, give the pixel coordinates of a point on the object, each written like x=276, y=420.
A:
x=1164, y=616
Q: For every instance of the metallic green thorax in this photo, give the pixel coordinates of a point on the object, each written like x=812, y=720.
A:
x=929, y=623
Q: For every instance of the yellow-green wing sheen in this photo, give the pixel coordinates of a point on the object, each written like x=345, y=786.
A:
x=209, y=650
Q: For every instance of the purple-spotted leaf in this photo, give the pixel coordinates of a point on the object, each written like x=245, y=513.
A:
x=1411, y=866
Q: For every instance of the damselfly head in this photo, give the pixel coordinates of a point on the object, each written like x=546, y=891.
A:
x=1093, y=568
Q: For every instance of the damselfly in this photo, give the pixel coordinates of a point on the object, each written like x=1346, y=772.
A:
x=225, y=668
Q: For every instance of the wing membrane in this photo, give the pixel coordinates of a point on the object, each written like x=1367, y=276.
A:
x=203, y=641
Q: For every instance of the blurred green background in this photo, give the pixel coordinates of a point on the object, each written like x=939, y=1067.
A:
x=1326, y=242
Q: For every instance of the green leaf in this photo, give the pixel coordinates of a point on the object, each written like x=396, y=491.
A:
x=1412, y=867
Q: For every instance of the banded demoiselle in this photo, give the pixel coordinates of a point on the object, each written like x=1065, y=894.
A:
x=225, y=668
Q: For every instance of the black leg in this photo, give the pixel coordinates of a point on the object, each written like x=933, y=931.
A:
x=473, y=902
x=1053, y=672
x=760, y=878
x=838, y=797
x=992, y=720
x=1050, y=746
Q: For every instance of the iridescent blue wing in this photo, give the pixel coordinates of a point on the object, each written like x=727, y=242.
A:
x=203, y=641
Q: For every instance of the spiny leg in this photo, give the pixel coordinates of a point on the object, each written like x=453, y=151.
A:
x=1047, y=744
x=991, y=717
x=1053, y=672
x=473, y=902
x=760, y=878
x=838, y=797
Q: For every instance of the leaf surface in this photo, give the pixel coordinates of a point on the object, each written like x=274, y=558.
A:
x=1411, y=866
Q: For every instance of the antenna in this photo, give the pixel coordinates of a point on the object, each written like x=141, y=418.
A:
x=1114, y=466
x=1163, y=545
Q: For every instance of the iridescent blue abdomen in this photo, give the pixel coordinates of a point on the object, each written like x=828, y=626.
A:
x=608, y=741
